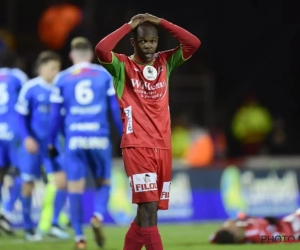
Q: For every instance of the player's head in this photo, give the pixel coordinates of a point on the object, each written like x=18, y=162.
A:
x=8, y=59
x=224, y=236
x=81, y=50
x=48, y=65
x=145, y=41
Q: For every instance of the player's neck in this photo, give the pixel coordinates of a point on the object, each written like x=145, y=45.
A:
x=80, y=62
x=47, y=81
x=138, y=60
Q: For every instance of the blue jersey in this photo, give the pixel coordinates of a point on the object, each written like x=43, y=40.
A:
x=11, y=81
x=83, y=91
x=34, y=103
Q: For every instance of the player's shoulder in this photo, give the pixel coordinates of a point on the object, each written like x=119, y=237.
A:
x=58, y=80
x=121, y=57
x=15, y=73
x=98, y=68
x=165, y=54
x=30, y=85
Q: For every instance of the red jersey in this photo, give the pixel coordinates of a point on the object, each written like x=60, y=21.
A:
x=142, y=90
x=290, y=225
x=254, y=229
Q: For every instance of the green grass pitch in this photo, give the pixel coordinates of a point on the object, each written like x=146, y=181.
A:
x=175, y=237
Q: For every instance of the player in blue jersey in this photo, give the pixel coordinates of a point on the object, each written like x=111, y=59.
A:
x=86, y=92
x=11, y=81
x=33, y=107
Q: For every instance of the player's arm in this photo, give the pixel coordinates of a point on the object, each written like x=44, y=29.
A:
x=107, y=58
x=114, y=107
x=22, y=108
x=189, y=43
x=104, y=49
x=56, y=118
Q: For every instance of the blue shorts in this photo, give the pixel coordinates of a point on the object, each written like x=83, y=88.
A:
x=30, y=165
x=80, y=162
x=8, y=153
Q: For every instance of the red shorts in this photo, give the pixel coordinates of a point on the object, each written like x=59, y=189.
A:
x=149, y=171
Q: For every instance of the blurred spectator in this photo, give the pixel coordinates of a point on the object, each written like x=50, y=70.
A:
x=200, y=151
x=191, y=143
x=6, y=39
x=219, y=142
x=251, y=124
x=180, y=136
x=278, y=140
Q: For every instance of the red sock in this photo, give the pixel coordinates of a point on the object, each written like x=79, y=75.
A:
x=133, y=238
x=152, y=238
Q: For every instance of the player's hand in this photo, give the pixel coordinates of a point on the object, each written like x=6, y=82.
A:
x=137, y=20
x=152, y=19
x=31, y=145
x=52, y=152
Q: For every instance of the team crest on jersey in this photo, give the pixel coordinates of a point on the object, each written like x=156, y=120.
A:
x=150, y=73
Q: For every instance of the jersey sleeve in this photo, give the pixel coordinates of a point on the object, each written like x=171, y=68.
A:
x=117, y=70
x=174, y=58
x=56, y=95
x=21, y=76
x=23, y=104
x=115, y=66
x=110, y=90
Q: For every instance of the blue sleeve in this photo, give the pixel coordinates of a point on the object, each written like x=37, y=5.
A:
x=56, y=122
x=23, y=104
x=23, y=109
x=23, y=121
x=56, y=117
x=113, y=103
x=114, y=106
x=116, y=114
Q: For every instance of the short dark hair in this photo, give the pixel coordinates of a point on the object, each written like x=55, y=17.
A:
x=81, y=43
x=271, y=220
x=46, y=56
x=146, y=24
x=224, y=236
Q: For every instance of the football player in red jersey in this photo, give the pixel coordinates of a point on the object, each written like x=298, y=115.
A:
x=141, y=82
x=259, y=230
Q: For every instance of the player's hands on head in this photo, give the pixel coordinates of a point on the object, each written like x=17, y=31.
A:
x=153, y=19
x=31, y=145
x=137, y=20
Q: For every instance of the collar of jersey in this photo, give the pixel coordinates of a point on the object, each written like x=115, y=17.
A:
x=81, y=65
x=139, y=61
x=43, y=83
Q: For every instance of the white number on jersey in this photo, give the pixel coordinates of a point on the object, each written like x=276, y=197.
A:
x=4, y=95
x=84, y=95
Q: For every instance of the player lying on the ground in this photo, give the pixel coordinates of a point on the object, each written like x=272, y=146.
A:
x=259, y=230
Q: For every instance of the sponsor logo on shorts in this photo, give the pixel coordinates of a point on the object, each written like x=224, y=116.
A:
x=144, y=182
x=165, y=194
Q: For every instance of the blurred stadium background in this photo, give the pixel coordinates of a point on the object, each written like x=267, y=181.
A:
x=235, y=105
